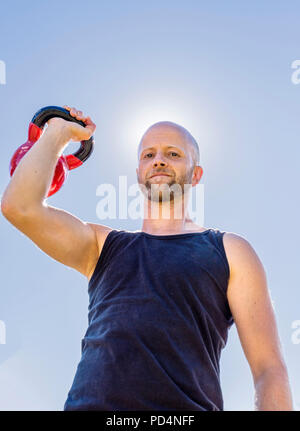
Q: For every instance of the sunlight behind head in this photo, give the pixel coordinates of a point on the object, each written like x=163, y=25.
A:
x=138, y=119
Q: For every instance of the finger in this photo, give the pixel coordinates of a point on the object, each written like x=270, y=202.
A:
x=79, y=115
x=67, y=107
x=73, y=112
x=89, y=122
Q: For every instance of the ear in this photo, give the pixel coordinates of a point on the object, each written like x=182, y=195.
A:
x=198, y=172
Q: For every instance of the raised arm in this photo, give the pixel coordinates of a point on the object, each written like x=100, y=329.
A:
x=58, y=233
x=253, y=313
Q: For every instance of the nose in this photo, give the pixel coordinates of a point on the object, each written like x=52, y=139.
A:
x=159, y=161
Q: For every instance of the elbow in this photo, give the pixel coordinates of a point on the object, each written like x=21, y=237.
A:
x=8, y=209
x=7, y=204
x=18, y=214
x=11, y=211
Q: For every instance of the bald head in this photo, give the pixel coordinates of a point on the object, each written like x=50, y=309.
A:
x=180, y=131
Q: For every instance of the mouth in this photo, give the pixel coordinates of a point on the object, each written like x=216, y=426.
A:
x=160, y=175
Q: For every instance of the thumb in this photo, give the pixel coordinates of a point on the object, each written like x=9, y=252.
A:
x=90, y=126
x=86, y=131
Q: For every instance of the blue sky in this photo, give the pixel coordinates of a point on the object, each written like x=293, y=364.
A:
x=220, y=69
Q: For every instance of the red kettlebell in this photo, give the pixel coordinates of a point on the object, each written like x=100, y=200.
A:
x=65, y=163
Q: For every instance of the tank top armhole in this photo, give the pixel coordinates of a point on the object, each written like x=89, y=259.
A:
x=101, y=257
x=221, y=247
x=220, y=241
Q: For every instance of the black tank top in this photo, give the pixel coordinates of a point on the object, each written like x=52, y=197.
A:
x=158, y=320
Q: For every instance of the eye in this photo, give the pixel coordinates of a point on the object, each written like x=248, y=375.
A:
x=173, y=152
x=146, y=155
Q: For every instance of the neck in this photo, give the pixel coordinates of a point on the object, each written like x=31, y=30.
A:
x=166, y=217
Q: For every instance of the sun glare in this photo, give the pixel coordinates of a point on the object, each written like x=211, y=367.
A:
x=138, y=119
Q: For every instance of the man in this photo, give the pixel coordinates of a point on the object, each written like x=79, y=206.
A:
x=161, y=299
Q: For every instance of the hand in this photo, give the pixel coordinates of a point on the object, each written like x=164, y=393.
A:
x=70, y=130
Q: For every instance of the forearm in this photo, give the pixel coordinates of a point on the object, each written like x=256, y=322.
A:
x=272, y=391
x=32, y=177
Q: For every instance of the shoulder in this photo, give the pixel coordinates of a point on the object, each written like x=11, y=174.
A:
x=101, y=231
x=241, y=255
x=232, y=241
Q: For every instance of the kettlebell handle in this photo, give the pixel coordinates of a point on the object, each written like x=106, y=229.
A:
x=86, y=146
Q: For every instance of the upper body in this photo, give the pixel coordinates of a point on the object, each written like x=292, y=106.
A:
x=158, y=320
x=79, y=244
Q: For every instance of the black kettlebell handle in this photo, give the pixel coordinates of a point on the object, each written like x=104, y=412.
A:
x=45, y=114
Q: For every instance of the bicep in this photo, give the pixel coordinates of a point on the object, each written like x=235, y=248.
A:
x=61, y=235
x=251, y=306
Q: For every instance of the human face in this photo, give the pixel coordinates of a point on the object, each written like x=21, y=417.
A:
x=165, y=157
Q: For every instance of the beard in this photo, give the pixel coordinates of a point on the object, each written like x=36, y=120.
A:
x=169, y=190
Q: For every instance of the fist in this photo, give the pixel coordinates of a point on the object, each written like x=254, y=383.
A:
x=73, y=131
